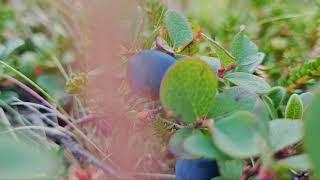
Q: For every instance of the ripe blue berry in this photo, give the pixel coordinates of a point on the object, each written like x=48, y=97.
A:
x=200, y=169
x=146, y=70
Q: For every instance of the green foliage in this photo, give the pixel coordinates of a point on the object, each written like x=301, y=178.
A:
x=306, y=99
x=248, y=118
x=231, y=169
x=154, y=13
x=256, y=60
x=179, y=29
x=284, y=132
x=243, y=49
x=25, y=159
x=312, y=133
x=246, y=53
x=287, y=31
x=301, y=76
x=189, y=89
x=299, y=163
x=213, y=62
x=294, y=109
x=277, y=95
x=176, y=142
x=52, y=84
x=30, y=46
x=248, y=81
x=10, y=47
x=8, y=96
x=270, y=106
x=237, y=135
x=201, y=145
x=224, y=56
x=233, y=100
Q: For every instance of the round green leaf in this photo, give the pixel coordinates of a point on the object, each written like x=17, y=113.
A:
x=23, y=160
x=177, y=140
x=189, y=89
x=231, y=169
x=201, y=145
x=284, y=133
x=233, y=100
x=237, y=135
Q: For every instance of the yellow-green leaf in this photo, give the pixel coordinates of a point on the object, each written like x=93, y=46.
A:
x=189, y=89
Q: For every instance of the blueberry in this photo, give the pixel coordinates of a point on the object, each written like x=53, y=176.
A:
x=200, y=169
x=146, y=70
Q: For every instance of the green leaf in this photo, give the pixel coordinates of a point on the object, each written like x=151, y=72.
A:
x=312, y=133
x=180, y=30
x=11, y=46
x=202, y=146
x=225, y=57
x=270, y=106
x=246, y=53
x=231, y=169
x=306, y=99
x=213, y=62
x=294, y=108
x=284, y=133
x=177, y=140
x=8, y=96
x=251, y=68
x=27, y=63
x=240, y=99
x=26, y=160
x=277, y=95
x=243, y=49
x=53, y=85
x=233, y=100
x=299, y=162
x=249, y=81
x=237, y=135
x=189, y=89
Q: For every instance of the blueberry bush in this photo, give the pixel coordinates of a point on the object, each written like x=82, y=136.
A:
x=225, y=109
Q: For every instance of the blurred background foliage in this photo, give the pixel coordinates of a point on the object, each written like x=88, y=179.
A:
x=287, y=31
x=34, y=39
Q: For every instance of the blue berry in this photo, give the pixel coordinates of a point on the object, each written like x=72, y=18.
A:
x=200, y=169
x=146, y=70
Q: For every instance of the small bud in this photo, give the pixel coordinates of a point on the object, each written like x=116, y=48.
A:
x=77, y=84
